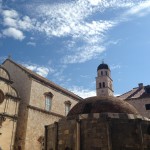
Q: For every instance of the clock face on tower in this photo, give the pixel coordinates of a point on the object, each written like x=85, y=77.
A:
x=1, y=96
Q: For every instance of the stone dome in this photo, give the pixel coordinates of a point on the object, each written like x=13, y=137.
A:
x=102, y=66
x=99, y=104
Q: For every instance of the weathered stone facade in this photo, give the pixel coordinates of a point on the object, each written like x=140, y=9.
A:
x=105, y=131
x=139, y=97
x=139, y=104
x=101, y=122
x=8, y=110
x=32, y=115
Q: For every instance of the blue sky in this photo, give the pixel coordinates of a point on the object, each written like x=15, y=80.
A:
x=65, y=40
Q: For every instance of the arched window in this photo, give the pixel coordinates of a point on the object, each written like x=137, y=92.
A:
x=48, y=100
x=103, y=84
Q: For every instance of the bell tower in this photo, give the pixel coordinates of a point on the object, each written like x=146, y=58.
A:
x=104, y=83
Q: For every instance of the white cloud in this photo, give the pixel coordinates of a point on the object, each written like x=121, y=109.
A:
x=31, y=43
x=10, y=14
x=74, y=19
x=15, y=24
x=41, y=70
x=13, y=32
x=10, y=22
x=83, y=54
x=31, y=67
x=112, y=67
x=141, y=9
x=84, y=93
x=69, y=19
x=26, y=23
x=11, y=18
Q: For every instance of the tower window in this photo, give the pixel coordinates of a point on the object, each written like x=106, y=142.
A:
x=100, y=85
x=106, y=73
x=102, y=73
x=103, y=84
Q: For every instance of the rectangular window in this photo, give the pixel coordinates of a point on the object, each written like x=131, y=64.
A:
x=48, y=103
x=147, y=106
x=67, y=108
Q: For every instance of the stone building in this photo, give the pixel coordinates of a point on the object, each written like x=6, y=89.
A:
x=42, y=103
x=9, y=102
x=139, y=97
x=102, y=122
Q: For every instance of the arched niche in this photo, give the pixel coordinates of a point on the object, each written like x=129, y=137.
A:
x=2, y=96
x=4, y=73
x=13, y=92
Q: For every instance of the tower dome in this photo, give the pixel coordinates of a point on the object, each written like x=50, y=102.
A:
x=102, y=66
x=98, y=104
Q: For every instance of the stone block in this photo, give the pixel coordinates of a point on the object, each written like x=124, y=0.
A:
x=131, y=116
x=96, y=115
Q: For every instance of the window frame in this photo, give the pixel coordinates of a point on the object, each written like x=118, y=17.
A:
x=48, y=101
x=67, y=107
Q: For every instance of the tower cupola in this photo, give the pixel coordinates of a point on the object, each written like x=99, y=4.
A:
x=103, y=81
x=102, y=66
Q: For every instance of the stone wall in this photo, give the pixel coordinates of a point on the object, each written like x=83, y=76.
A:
x=23, y=85
x=32, y=114
x=8, y=111
x=139, y=104
x=35, y=128
x=38, y=117
x=37, y=98
x=108, y=131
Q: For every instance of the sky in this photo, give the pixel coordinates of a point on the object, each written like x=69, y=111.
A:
x=66, y=40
